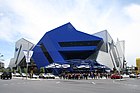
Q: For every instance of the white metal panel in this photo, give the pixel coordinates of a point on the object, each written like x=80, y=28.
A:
x=21, y=45
x=12, y=63
x=105, y=59
x=120, y=51
x=114, y=56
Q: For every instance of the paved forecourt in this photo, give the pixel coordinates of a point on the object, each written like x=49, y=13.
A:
x=70, y=86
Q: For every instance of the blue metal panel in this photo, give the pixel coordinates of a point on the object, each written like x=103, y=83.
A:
x=39, y=58
x=64, y=33
x=83, y=48
x=68, y=33
x=53, y=51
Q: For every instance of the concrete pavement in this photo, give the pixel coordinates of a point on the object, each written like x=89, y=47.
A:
x=69, y=86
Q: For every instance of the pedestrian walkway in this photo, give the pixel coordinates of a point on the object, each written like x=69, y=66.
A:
x=24, y=78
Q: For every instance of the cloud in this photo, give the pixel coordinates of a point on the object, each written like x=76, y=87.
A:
x=7, y=27
x=131, y=32
x=39, y=17
x=133, y=11
x=9, y=23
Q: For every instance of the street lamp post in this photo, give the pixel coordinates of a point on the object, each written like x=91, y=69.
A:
x=28, y=54
x=119, y=67
x=27, y=64
x=119, y=60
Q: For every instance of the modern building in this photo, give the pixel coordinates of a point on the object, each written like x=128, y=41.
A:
x=19, y=58
x=67, y=45
x=1, y=61
x=111, y=54
x=12, y=63
x=1, y=65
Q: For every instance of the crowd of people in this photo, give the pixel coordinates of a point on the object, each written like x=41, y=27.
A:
x=86, y=75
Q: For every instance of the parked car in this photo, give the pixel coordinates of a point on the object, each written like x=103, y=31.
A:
x=6, y=75
x=50, y=76
x=16, y=74
x=138, y=76
x=35, y=76
x=0, y=73
x=125, y=76
x=133, y=76
x=47, y=76
x=116, y=76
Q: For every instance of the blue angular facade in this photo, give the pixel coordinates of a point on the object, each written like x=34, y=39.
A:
x=65, y=43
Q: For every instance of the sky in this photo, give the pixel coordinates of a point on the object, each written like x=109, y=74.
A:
x=31, y=19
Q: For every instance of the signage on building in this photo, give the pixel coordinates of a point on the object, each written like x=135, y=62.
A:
x=28, y=55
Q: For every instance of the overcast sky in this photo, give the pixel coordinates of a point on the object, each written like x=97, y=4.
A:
x=31, y=19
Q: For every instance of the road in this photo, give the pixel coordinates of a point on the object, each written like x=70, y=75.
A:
x=70, y=86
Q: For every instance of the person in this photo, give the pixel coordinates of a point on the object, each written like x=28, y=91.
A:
x=91, y=75
x=31, y=74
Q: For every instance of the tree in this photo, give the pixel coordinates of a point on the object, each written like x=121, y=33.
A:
x=2, y=69
x=42, y=70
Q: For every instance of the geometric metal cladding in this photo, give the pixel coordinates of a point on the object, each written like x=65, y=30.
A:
x=111, y=54
x=65, y=43
x=21, y=45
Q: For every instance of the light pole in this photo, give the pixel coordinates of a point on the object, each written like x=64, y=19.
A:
x=27, y=63
x=118, y=59
x=28, y=54
x=119, y=68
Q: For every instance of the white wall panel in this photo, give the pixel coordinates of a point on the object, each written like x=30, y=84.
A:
x=105, y=59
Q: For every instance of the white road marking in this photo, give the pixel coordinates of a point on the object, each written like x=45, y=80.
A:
x=93, y=83
x=58, y=82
